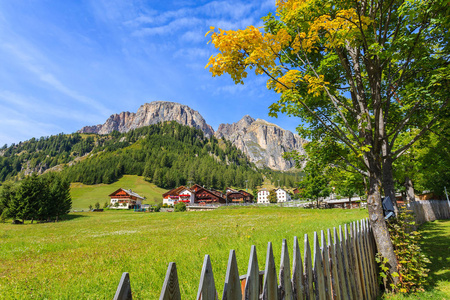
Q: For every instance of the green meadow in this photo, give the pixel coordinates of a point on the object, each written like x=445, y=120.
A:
x=85, y=195
x=84, y=256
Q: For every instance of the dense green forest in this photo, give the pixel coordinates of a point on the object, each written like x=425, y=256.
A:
x=166, y=154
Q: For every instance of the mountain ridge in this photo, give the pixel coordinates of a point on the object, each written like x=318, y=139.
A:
x=263, y=142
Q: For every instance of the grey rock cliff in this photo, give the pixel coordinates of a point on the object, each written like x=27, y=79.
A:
x=149, y=114
x=264, y=143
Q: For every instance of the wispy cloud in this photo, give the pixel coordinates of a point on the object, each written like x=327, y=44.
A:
x=29, y=60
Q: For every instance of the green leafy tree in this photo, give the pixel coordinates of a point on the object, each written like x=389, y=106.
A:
x=359, y=72
x=273, y=196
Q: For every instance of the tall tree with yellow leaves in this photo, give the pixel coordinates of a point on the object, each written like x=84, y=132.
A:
x=357, y=72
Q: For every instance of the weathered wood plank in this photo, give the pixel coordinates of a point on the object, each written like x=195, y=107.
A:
x=363, y=275
x=307, y=267
x=270, y=287
x=356, y=262
x=366, y=260
x=370, y=258
x=252, y=283
x=298, y=287
x=351, y=273
x=123, y=291
x=347, y=270
x=319, y=283
x=374, y=264
x=207, y=288
x=340, y=266
x=171, y=288
x=232, y=288
x=326, y=265
x=334, y=275
x=285, y=274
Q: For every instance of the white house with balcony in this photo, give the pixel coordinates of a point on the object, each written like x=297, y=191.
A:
x=125, y=199
x=179, y=194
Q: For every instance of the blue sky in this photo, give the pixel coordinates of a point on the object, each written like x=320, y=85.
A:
x=68, y=64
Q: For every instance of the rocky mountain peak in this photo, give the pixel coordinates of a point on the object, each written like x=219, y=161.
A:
x=263, y=142
x=149, y=114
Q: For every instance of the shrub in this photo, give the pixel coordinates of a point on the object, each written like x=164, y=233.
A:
x=180, y=206
x=97, y=205
x=411, y=260
x=116, y=204
x=106, y=204
x=158, y=207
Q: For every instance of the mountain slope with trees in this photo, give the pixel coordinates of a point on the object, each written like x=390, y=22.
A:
x=167, y=154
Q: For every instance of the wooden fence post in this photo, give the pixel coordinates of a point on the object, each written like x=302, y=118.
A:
x=298, y=284
x=285, y=274
x=307, y=267
x=123, y=291
x=207, y=287
x=345, y=293
x=270, y=287
x=334, y=275
x=171, y=287
x=326, y=265
x=252, y=283
x=319, y=283
x=232, y=288
x=349, y=254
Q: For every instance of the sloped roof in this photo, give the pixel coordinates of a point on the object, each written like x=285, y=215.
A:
x=175, y=191
x=129, y=192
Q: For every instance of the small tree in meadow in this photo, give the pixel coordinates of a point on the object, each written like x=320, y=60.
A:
x=272, y=196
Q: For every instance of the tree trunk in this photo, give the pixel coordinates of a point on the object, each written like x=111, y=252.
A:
x=378, y=224
x=409, y=190
x=350, y=202
x=388, y=182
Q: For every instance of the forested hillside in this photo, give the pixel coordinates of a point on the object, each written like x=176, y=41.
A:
x=167, y=154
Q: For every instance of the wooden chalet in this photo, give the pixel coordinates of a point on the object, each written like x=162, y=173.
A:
x=179, y=194
x=247, y=196
x=204, y=196
x=125, y=199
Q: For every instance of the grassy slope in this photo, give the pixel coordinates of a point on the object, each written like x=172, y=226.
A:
x=84, y=258
x=85, y=195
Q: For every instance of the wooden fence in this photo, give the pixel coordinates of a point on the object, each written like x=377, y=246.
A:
x=341, y=266
x=429, y=210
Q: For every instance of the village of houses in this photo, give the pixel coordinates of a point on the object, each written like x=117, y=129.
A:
x=198, y=196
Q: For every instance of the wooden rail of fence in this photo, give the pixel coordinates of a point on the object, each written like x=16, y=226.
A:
x=340, y=267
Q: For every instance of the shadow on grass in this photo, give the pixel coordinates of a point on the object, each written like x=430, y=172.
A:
x=436, y=246
x=71, y=216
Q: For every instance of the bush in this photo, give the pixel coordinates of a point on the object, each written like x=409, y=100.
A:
x=106, y=204
x=180, y=206
x=411, y=260
x=97, y=205
x=158, y=207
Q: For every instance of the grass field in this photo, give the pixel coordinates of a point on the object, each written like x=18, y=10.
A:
x=85, y=195
x=85, y=256
x=436, y=245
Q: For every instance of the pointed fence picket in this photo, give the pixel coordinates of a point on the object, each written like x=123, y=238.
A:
x=341, y=268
